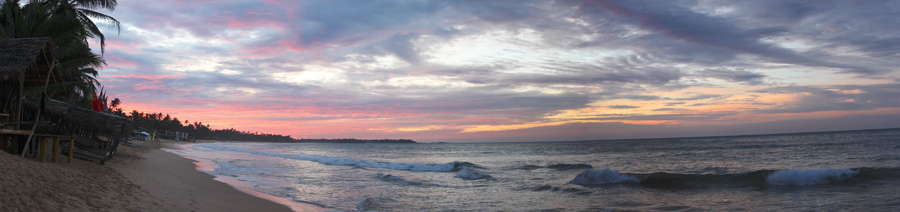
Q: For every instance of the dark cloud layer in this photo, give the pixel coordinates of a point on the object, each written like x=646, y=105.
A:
x=500, y=63
x=733, y=75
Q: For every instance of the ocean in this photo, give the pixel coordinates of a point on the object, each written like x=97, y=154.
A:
x=824, y=171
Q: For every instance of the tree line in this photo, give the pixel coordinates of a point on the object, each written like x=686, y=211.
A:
x=163, y=123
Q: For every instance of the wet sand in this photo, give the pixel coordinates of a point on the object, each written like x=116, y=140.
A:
x=144, y=178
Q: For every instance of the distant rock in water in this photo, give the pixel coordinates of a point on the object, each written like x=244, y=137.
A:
x=353, y=140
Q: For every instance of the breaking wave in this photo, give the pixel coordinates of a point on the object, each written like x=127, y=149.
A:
x=759, y=178
x=470, y=174
x=605, y=176
x=809, y=176
x=347, y=161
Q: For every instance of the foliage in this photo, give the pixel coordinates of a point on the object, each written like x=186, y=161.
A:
x=166, y=123
x=69, y=24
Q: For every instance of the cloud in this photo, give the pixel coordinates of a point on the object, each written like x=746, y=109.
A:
x=321, y=23
x=401, y=46
x=676, y=21
x=441, y=66
x=622, y=107
x=673, y=109
x=637, y=97
x=732, y=75
x=836, y=98
x=701, y=97
x=671, y=117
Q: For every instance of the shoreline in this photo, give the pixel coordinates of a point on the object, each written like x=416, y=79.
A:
x=175, y=180
x=143, y=178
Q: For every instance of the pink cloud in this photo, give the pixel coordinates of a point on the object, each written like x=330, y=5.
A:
x=131, y=48
x=147, y=87
x=114, y=61
x=152, y=78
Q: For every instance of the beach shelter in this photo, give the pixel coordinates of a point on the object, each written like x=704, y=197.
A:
x=98, y=134
x=24, y=63
x=145, y=136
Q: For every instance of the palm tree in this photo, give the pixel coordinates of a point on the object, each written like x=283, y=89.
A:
x=22, y=22
x=83, y=11
x=76, y=58
x=68, y=24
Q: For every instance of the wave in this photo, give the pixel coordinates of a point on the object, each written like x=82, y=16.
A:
x=371, y=203
x=470, y=174
x=605, y=176
x=395, y=179
x=558, y=189
x=810, y=176
x=347, y=161
x=761, y=178
x=563, y=166
x=529, y=167
x=557, y=166
x=365, y=204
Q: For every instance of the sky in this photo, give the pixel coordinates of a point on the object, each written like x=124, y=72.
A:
x=493, y=71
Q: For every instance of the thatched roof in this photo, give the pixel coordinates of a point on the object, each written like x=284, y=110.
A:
x=83, y=118
x=32, y=56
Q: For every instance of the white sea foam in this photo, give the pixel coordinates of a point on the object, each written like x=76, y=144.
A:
x=809, y=176
x=470, y=174
x=347, y=161
x=593, y=176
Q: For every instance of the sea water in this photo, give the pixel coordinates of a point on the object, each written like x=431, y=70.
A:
x=849, y=170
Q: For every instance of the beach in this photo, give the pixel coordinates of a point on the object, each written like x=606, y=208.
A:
x=144, y=178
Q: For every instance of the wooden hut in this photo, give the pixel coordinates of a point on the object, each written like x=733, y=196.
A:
x=97, y=134
x=24, y=63
x=27, y=63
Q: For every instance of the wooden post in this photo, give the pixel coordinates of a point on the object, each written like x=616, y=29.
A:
x=71, y=148
x=15, y=144
x=41, y=150
x=55, y=154
x=21, y=95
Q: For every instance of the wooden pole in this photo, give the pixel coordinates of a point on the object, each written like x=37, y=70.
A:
x=21, y=95
x=37, y=116
x=55, y=154
x=42, y=150
x=15, y=144
x=71, y=148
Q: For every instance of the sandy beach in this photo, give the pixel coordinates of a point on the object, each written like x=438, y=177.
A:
x=145, y=178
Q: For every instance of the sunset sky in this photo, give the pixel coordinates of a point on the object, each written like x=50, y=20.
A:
x=486, y=71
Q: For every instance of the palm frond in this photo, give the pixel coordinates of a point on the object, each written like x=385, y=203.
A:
x=95, y=4
x=94, y=14
x=92, y=29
